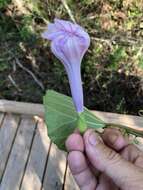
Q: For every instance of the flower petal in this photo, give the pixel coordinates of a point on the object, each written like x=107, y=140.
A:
x=52, y=32
x=69, y=44
x=64, y=25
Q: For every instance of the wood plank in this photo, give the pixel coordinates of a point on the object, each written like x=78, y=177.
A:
x=70, y=183
x=55, y=171
x=1, y=118
x=38, y=109
x=35, y=168
x=19, y=154
x=135, y=122
x=21, y=107
x=7, y=135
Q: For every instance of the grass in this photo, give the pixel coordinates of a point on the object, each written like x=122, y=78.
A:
x=112, y=69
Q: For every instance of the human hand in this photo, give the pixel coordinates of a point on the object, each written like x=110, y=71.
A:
x=107, y=163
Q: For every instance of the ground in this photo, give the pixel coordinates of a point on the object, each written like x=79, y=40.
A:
x=112, y=70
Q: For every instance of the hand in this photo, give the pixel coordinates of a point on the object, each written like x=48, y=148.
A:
x=107, y=163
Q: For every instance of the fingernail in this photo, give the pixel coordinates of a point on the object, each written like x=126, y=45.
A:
x=113, y=138
x=94, y=139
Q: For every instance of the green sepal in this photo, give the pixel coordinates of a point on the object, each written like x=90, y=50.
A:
x=81, y=123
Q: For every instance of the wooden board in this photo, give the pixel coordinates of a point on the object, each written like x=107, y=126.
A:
x=35, y=168
x=21, y=107
x=38, y=109
x=135, y=122
x=70, y=183
x=55, y=171
x=1, y=118
x=18, y=157
x=28, y=161
x=7, y=135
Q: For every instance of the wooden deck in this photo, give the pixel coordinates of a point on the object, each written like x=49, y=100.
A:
x=28, y=159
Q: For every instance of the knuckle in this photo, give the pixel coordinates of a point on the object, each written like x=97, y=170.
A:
x=128, y=150
x=112, y=157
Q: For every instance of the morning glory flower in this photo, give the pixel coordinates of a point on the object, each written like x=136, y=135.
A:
x=69, y=42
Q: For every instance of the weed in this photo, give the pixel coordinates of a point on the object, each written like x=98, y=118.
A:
x=116, y=57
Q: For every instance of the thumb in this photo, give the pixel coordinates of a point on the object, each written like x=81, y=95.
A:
x=124, y=174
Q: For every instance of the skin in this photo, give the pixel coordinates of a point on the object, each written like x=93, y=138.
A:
x=106, y=162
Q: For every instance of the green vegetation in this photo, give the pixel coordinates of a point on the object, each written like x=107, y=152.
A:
x=112, y=69
x=4, y=3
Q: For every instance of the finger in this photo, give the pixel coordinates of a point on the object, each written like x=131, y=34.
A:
x=114, y=139
x=93, y=169
x=105, y=183
x=133, y=154
x=80, y=170
x=108, y=161
x=75, y=142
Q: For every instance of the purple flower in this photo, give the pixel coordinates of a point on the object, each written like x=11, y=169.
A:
x=69, y=44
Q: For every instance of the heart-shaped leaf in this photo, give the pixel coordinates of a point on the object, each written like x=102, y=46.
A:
x=61, y=117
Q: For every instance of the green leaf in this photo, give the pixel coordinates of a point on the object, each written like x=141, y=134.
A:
x=62, y=119
x=140, y=62
x=118, y=55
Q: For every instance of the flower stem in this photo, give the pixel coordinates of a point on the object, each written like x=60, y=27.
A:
x=81, y=123
x=129, y=130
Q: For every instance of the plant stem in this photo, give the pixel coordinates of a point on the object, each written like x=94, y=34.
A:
x=129, y=130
